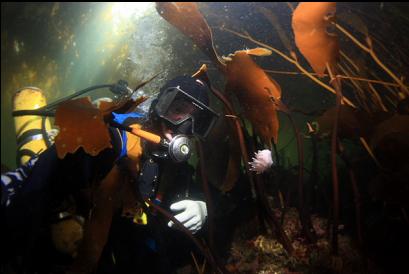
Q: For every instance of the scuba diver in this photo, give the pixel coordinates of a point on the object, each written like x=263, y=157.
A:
x=47, y=190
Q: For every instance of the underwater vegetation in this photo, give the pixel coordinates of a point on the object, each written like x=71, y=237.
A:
x=362, y=116
x=341, y=208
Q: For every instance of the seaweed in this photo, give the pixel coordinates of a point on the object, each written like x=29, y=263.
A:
x=363, y=113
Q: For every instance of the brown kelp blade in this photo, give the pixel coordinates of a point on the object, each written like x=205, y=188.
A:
x=201, y=73
x=259, y=52
x=310, y=22
x=98, y=225
x=81, y=125
x=84, y=125
x=256, y=93
x=187, y=18
x=352, y=123
x=390, y=140
x=252, y=86
x=223, y=151
x=223, y=148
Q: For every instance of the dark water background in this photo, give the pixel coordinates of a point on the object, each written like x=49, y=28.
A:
x=63, y=47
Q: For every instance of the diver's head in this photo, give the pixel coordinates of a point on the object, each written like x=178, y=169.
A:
x=182, y=107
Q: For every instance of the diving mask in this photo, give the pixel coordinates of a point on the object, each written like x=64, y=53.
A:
x=185, y=112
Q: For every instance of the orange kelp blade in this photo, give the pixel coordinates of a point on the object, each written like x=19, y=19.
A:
x=187, y=18
x=310, y=22
x=202, y=74
x=81, y=125
x=255, y=92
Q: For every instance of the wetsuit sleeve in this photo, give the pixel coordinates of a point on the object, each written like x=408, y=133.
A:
x=45, y=170
x=12, y=181
x=33, y=191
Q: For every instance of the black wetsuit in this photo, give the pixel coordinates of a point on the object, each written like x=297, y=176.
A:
x=33, y=193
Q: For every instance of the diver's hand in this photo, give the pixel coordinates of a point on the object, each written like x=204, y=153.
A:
x=193, y=215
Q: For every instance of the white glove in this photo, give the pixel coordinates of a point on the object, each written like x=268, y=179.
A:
x=262, y=162
x=193, y=215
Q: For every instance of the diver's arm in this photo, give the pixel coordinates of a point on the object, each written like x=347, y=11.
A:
x=12, y=181
x=31, y=195
x=47, y=172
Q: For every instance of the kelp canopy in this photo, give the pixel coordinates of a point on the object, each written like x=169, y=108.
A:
x=339, y=179
x=316, y=36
